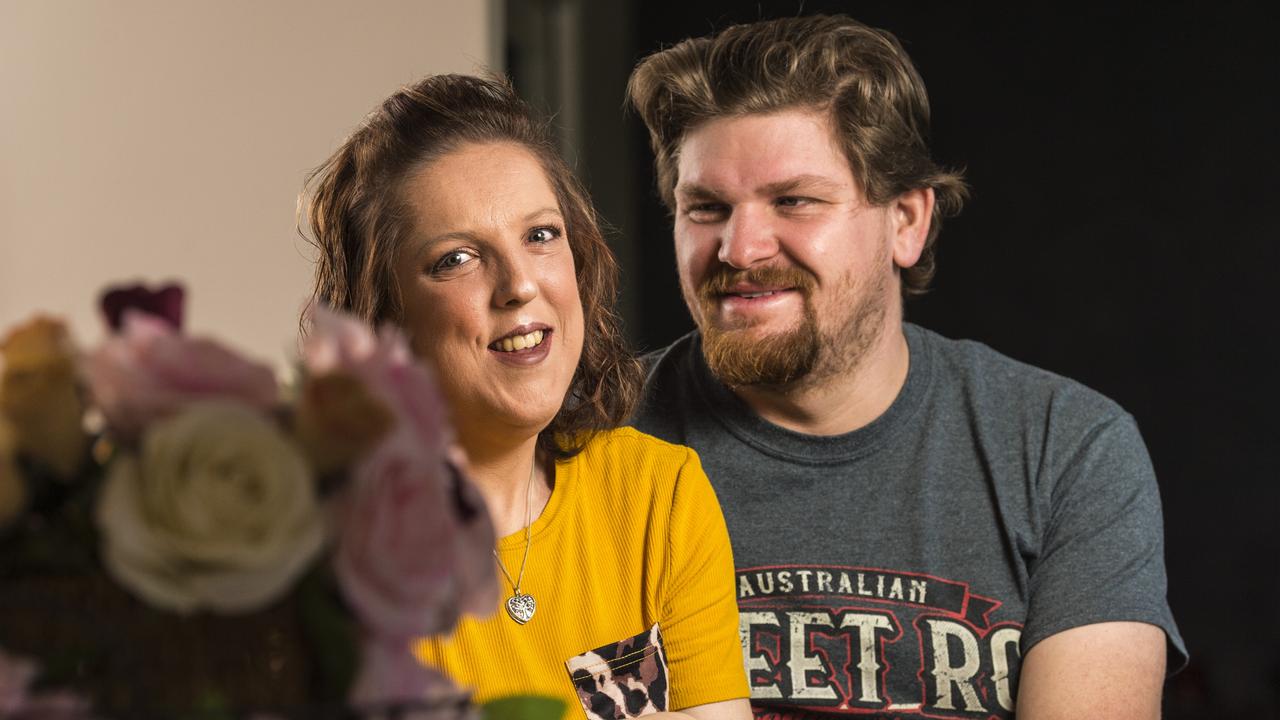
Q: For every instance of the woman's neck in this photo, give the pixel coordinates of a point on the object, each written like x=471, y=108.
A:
x=502, y=475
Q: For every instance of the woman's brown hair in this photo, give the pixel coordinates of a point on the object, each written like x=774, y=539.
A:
x=358, y=217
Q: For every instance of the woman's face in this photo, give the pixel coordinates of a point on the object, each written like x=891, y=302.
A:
x=489, y=291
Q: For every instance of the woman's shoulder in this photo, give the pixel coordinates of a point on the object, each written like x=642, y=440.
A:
x=629, y=444
x=635, y=459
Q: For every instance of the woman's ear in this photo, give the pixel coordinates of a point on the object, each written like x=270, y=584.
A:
x=910, y=216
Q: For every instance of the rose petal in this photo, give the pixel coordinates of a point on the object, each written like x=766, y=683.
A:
x=165, y=303
x=389, y=673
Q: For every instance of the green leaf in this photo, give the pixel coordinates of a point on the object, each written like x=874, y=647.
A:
x=211, y=705
x=330, y=632
x=523, y=707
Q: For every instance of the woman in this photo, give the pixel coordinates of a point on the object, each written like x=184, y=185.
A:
x=449, y=213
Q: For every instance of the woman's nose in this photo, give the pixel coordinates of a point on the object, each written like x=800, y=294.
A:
x=517, y=284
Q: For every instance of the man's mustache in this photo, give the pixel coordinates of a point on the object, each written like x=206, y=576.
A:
x=723, y=279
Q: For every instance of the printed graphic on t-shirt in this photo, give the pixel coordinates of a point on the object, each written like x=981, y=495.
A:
x=823, y=640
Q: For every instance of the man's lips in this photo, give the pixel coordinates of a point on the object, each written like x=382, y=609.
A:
x=755, y=305
x=751, y=292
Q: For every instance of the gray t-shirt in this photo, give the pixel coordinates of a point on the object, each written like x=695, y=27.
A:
x=907, y=566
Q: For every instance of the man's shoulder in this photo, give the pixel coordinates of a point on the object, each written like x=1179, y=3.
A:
x=999, y=385
x=668, y=385
x=669, y=360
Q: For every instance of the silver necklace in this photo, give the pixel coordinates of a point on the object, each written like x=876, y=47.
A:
x=520, y=606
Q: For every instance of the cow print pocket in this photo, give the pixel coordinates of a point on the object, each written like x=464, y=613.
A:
x=625, y=679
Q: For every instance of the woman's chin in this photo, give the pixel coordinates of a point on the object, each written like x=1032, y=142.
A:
x=510, y=425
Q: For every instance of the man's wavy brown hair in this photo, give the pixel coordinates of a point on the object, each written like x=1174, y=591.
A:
x=357, y=216
x=861, y=76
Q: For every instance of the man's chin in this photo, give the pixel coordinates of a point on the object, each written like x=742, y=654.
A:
x=755, y=356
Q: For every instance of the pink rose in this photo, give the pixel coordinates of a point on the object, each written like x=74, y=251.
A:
x=149, y=371
x=18, y=703
x=16, y=675
x=396, y=557
x=416, y=540
x=478, y=583
x=389, y=673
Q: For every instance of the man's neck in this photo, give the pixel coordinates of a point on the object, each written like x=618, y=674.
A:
x=841, y=402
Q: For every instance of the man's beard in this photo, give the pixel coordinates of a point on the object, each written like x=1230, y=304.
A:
x=803, y=354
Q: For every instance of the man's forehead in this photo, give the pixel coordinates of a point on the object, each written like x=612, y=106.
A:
x=762, y=151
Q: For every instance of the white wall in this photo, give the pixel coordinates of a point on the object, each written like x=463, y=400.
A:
x=155, y=139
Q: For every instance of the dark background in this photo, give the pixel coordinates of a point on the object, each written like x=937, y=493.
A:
x=1121, y=232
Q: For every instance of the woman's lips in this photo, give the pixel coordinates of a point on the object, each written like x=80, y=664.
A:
x=523, y=349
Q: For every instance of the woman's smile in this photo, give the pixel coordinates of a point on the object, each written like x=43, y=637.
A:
x=524, y=346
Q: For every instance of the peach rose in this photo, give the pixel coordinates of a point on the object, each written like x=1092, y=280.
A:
x=149, y=371
x=13, y=488
x=40, y=395
x=386, y=366
x=337, y=420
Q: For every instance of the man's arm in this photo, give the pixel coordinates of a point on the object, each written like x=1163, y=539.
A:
x=1104, y=671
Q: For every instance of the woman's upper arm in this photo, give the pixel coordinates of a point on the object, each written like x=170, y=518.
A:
x=700, y=611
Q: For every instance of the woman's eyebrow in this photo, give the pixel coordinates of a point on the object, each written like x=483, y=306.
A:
x=543, y=212
x=421, y=245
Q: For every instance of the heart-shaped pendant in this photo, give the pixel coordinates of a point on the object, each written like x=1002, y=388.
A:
x=520, y=607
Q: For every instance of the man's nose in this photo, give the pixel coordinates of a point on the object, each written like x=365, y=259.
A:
x=749, y=237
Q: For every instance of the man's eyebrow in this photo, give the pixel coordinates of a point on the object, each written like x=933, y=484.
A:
x=694, y=191
x=801, y=183
x=806, y=182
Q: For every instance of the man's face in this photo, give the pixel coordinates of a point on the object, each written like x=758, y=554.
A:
x=786, y=268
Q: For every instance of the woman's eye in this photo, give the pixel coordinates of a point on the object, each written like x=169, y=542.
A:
x=543, y=234
x=452, y=260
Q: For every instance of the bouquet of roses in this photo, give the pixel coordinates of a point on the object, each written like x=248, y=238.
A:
x=179, y=535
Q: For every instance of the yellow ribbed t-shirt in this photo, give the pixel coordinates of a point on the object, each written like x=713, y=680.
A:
x=631, y=536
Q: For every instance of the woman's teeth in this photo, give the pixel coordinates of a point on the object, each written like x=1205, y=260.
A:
x=519, y=342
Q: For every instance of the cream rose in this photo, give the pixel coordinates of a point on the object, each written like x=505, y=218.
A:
x=218, y=510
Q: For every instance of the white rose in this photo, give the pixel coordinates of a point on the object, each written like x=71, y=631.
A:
x=217, y=511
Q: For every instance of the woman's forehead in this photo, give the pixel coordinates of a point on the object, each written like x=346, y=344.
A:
x=482, y=183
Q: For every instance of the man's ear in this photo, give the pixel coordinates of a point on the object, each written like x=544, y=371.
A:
x=910, y=215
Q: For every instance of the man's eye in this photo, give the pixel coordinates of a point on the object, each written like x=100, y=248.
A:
x=451, y=260
x=544, y=234
x=707, y=212
x=791, y=201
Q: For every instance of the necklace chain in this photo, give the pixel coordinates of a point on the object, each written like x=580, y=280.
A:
x=528, y=518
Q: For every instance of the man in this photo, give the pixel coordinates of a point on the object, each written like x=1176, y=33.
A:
x=921, y=527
